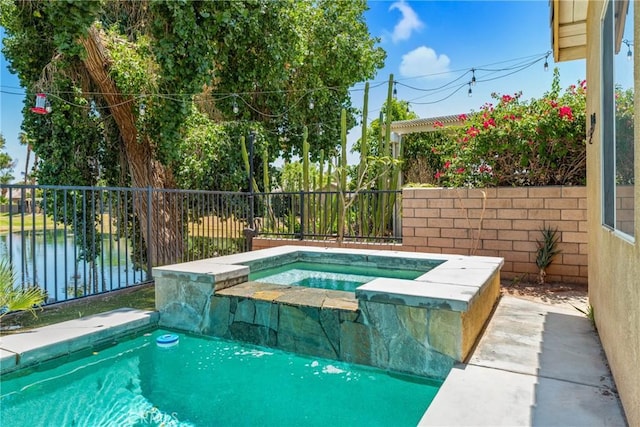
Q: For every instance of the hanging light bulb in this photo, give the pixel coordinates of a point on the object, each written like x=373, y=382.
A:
x=469, y=92
x=311, y=104
x=235, y=106
x=395, y=90
x=629, y=53
x=407, y=107
x=473, y=77
x=546, y=63
x=142, y=109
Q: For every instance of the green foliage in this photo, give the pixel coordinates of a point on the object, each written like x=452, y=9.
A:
x=211, y=155
x=273, y=57
x=589, y=314
x=292, y=176
x=6, y=163
x=547, y=250
x=13, y=298
x=514, y=142
x=624, y=137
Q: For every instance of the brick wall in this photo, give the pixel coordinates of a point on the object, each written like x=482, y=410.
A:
x=505, y=223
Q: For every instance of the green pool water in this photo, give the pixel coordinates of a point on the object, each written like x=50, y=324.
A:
x=209, y=382
x=339, y=277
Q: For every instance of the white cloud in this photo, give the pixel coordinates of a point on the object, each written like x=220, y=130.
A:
x=410, y=22
x=424, y=61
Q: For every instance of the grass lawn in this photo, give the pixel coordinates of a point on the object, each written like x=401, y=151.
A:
x=141, y=297
x=29, y=221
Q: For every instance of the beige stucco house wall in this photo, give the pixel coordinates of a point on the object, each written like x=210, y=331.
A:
x=614, y=262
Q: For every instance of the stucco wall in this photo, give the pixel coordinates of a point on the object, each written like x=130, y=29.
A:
x=614, y=263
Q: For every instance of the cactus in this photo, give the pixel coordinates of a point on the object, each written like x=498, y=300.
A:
x=322, y=202
x=305, y=176
x=379, y=208
x=343, y=175
x=266, y=183
x=384, y=214
x=364, y=153
x=245, y=159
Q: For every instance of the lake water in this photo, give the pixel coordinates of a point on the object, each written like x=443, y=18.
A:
x=53, y=261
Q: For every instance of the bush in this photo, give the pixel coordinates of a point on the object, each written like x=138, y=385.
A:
x=511, y=143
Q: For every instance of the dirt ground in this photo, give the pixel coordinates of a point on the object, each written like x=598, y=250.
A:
x=548, y=293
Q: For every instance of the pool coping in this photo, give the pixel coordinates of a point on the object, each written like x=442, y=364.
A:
x=29, y=348
x=452, y=285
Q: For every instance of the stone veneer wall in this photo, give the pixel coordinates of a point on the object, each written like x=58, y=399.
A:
x=415, y=340
x=448, y=221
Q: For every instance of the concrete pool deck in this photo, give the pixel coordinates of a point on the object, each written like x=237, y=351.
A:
x=536, y=364
x=31, y=347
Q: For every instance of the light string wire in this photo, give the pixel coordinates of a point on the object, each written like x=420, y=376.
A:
x=525, y=62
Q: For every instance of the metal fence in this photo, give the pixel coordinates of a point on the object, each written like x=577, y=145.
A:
x=365, y=216
x=80, y=241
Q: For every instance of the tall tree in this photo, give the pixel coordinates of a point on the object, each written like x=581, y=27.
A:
x=6, y=163
x=127, y=73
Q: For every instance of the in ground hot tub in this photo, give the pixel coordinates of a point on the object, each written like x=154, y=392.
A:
x=420, y=324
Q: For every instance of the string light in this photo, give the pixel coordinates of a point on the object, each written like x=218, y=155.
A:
x=142, y=109
x=451, y=87
x=311, y=104
x=629, y=43
x=235, y=106
x=546, y=62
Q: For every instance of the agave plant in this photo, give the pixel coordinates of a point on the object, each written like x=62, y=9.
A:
x=547, y=250
x=12, y=298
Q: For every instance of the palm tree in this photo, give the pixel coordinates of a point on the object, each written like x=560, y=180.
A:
x=24, y=140
x=12, y=298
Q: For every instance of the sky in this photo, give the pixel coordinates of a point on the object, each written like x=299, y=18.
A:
x=429, y=44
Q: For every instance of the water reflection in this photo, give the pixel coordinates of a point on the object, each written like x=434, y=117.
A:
x=52, y=260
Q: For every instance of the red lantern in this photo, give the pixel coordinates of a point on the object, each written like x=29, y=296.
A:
x=42, y=106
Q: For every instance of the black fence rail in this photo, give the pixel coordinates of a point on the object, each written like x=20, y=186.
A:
x=80, y=241
x=372, y=216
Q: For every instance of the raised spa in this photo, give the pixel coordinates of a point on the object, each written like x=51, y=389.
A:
x=337, y=275
x=421, y=323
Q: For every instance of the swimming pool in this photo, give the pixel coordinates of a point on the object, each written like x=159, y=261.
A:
x=207, y=382
x=339, y=277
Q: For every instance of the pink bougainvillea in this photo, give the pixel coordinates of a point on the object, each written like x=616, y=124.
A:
x=438, y=124
x=512, y=142
x=565, y=112
x=489, y=123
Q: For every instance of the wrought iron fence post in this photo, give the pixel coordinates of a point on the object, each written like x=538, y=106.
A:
x=149, y=239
